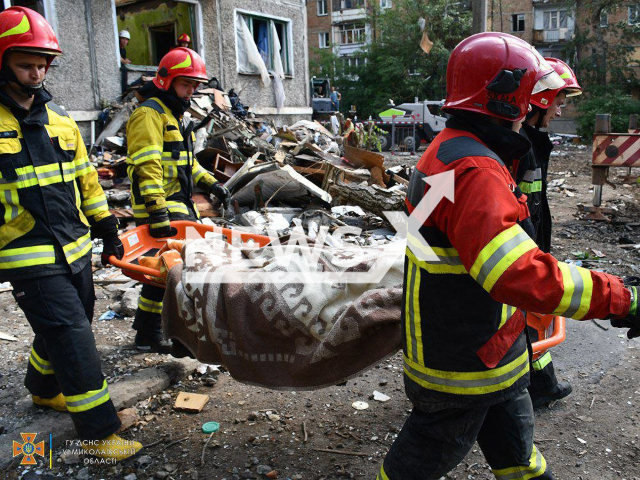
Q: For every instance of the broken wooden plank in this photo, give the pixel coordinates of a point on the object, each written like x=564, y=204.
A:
x=114, y=125
x=190, y=402
x=7, y=337
x=371, y=198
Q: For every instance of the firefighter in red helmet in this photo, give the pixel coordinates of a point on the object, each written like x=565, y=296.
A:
x=471, y=268
x=184, y=40
x=531, y=177
x=163, y=172
x=50, y=207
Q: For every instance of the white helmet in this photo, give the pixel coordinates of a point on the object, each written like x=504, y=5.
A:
x=125, y=34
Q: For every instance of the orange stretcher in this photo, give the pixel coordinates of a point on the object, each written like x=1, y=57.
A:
x=551, y=332
x=139, y=243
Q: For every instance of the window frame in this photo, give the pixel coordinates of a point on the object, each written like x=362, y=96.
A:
x=326, y=8
x=631, y=8
x=515, y=20
x=384, y=4
x=603, y=21
x=327, y=38
x=286, y=46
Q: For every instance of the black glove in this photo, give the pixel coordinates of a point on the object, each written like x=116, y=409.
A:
x=159, y=226
x=632, y=320
x=221, y=193
x=107, y=230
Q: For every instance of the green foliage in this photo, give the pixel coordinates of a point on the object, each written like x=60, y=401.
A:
x=620, y=106
x=394, y=66
x=368, y=135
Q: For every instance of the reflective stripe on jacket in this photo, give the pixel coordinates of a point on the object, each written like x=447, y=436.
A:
x=161, y=166
x=49, y=194
x=463, y=328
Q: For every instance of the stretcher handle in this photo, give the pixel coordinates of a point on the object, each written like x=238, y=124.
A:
x=558, y=336
x=113, y=260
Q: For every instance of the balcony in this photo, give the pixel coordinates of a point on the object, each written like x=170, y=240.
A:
x=348, y=4
x=552, y=36
x=352, y=36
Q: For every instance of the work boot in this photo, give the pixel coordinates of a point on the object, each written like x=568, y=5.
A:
x=152, y=342
x=543, y=398
x=112, y=447
x=57, y=403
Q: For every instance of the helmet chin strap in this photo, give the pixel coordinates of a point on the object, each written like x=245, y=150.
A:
x=8, y=75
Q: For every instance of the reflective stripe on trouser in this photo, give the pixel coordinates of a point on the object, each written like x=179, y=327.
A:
x=543, y=375
x=431, y=444
x=58, y=308
x=149, y=309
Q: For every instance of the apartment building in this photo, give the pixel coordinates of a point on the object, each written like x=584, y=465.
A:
x=342, y=26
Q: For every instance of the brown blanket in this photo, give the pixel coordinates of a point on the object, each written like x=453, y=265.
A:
x=286, y=330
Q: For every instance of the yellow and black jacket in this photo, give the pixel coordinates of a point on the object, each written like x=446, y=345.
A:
x=49, y=191
x=161, y=165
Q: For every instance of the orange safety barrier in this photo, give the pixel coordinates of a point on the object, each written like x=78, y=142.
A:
x=139, y=243
x=547, y=338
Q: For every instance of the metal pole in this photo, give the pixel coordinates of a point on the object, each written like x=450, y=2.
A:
x=393, y=134
x=603, y=125
x=413, y=133
x=479, y=10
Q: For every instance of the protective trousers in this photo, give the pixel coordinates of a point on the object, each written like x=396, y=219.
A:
x=431, y=444
x=543, y=375
x=63, y=357
x=148, y=318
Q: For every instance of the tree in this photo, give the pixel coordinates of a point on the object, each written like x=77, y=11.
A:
x=393, y=66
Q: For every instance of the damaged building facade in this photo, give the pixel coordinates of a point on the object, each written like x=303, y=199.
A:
x=87, y=78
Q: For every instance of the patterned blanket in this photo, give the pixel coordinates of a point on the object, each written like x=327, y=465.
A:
x=272, y=322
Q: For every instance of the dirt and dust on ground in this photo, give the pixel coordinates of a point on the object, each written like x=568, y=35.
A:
x=591, y=435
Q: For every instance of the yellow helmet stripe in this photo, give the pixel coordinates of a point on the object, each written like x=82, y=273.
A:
x=184, y=64
x=22, y=27
x=565, y=75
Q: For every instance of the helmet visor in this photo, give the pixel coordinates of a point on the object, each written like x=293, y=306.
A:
x=549, y=81
x=572, y=92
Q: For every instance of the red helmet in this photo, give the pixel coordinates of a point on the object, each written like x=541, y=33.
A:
x=184, y=38
x=180, y=62
x=495, y=74
x=26, y=30
x=571, y=86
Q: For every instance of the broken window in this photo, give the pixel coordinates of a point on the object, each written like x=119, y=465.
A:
x=322, y=7
x=266, y=33
x=517, y=22
x=155, y=26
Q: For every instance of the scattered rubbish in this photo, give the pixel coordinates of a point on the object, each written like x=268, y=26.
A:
x=190, y=402
x=581, y=440
x=7, y=337
x=380, y=397
x=110, y=315
x=129, y=417
x=210, y=427
x=359, y=405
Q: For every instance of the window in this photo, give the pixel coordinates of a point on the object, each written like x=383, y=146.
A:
x=604, y=19
x=352, y=63
x=37, y=5
x=322, y=7
x=351, y=4
x=555, y=19
x=351, y=33
x=517, y=22
x=264, y=31
x=386, y=4
x=323, y=40
x=154, y=28
x=634, y=14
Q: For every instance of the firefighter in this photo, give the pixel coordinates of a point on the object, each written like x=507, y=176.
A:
x=184, y=40
x=51, y=204
x=163, y=172
x=466, y=366
x=531, y=177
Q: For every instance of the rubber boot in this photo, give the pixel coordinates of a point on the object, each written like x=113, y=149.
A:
x=112, y=447
x=152, y=341
x=543, y=398
x=57, y=403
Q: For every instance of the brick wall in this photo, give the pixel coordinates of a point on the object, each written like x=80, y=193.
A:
x=317, y=24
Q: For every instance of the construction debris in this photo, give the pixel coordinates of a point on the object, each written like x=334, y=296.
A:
x=280, y=177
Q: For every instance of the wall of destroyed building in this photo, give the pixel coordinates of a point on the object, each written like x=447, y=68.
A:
x=289, y=20
x=86, y=76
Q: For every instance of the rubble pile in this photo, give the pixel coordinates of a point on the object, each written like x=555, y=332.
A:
x=280, y=178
